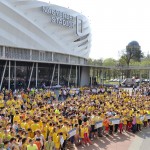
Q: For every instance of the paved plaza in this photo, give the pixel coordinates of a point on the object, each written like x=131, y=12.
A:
x=125, y=141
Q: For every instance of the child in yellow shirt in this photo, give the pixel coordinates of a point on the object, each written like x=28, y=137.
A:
x=56, y=139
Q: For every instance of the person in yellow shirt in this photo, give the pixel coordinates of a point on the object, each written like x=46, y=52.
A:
x=145, y=120
x=56, y=139
x=24, y=144
x=2, y=134
x=29, y=121
x=50, y=129
x=148, y=112
x=98, y=118
x=9, y=102
x=30, y=133
x=138, y=121
x=82, y=134
x=57, y=111
x=1, y=96
x=2, y=103
x=92, y=123
x=18, y=104
x=23, y=124
x=124, y=121
x=44, y=130
x=7, y=135
x=63, y=132
x=35, y=126
x=86, y=134
x=17, y=117
x=40, y=122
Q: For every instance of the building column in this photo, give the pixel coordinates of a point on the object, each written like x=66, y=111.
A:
x=76, y=76
x=91, y=74
x=99, y=75
x=15, y=75
x=9, y=75
x=3, y=75
x=30, y=75
x=79, y=76
x=91, y=77
x=36, y=84
x=102, y=77
x=69, y=75
x=53, y=74
x=58, y=73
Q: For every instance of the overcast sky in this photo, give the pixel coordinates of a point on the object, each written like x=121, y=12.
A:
x=114, y=23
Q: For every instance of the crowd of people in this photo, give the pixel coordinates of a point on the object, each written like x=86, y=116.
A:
x=37, y=120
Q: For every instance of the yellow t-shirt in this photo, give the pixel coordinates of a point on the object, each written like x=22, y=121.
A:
x=125, y=121
x=35, y=127
x=56, y=140
x=51, y=130
x=7, y=137
x=23, y=124
x=2, y=135
x=31, y=134
x=9, y=102
x=45, y=131
x=2, y=103
x=138, y=119
x=64, y=131
x=82, y=132
x=86, y=130
x=17, y=118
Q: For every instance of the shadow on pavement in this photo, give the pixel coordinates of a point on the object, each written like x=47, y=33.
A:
x=108, y=142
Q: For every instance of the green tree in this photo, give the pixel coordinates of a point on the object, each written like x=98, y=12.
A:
x=97, y=62
x=110, y=62
x=132, y=52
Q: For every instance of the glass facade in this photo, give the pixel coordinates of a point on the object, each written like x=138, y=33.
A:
x=22, y=72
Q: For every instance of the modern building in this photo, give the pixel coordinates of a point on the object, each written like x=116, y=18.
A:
x=42, y=43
